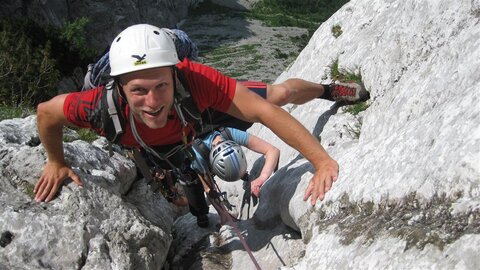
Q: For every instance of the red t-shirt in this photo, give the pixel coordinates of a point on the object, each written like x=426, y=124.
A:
x=208, y=87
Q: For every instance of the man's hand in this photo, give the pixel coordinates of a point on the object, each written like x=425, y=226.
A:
x=255, y=186
x=249, y=106
x=51, y=179
x=322, y=180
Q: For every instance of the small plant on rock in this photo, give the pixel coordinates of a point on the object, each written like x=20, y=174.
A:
x=344, y=75
x=356, y=108
x=336, y=30
x=87, y=135
x=10, y=111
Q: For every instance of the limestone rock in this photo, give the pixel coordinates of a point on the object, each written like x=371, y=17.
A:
x=98, y=226
x=407, y=194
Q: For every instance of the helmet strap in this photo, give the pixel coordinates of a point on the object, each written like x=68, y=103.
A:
x=118, y=85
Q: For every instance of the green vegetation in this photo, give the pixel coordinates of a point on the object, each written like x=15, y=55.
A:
x=336, y=30
x=27, y=70
x=279, y=54
x=9, y=112
x=28, y=189
x=356, y=108
x=304, y=14
x=300, y=41
x=87, y=135
x=74, y=34
x=34, y=58
x=222, y=58
x=344, y=75
x=84, y=134
x=408, y=219
x=307, y=14
x=207, y=7
x=222, y=52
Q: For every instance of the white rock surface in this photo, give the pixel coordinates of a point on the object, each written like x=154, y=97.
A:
x=103, y=225
x=407, y=196
x=419, y=145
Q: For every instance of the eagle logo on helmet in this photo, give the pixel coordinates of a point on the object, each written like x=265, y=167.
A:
x=140, y=59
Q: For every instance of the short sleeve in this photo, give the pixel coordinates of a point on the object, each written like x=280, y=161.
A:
x=239, y=136
x=209, y=87
x=83, y=109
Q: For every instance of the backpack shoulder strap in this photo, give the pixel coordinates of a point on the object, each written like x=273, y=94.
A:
x=225, y=132
x=113, y=118
x=214, y=119
x=201, y=148
x=188, y=106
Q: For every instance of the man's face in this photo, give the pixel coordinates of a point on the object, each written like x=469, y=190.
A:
x=149, y=94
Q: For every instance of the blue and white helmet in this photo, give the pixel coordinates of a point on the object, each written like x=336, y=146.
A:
x=228, y=161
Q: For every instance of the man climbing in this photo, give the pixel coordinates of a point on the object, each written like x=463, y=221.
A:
x=145, y=68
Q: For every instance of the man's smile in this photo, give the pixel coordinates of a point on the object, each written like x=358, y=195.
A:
x=156, y=112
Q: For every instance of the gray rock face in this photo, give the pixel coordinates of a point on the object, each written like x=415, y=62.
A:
x=407, y=196
x=103, y=225
x=107, y=18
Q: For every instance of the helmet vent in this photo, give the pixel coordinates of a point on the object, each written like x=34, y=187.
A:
x=118, y=39
x=227, y=153
x=156, y=32
x=227, y=161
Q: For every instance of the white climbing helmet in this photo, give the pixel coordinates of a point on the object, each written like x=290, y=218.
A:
x=139, y=47
x=228, y=161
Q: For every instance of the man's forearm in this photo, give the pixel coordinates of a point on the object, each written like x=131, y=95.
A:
x=249, y=106
x=50, y=121
x=53, y=143
x=294, y=134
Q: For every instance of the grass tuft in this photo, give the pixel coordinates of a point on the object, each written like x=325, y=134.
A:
x=10, y=112
x=336, y=30
x=355, y=109
x=87, y=135
x=344, y=75
x=84, y=134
